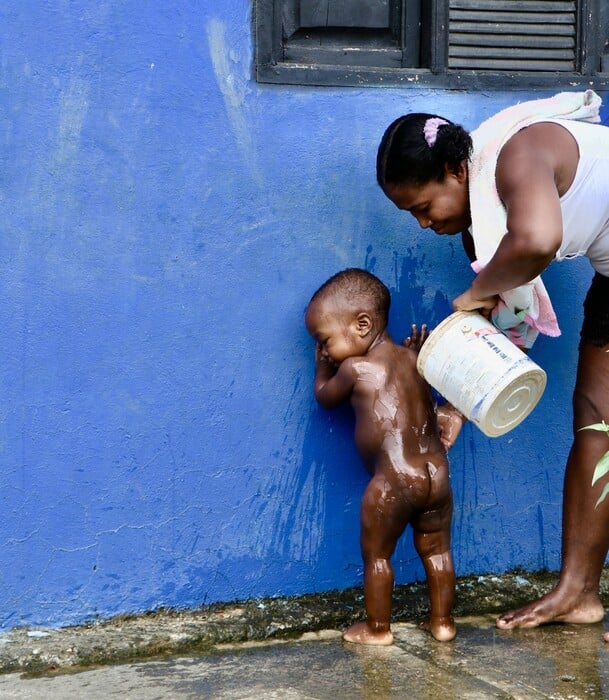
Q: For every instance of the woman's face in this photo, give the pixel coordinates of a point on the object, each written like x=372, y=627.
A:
x=442, y=206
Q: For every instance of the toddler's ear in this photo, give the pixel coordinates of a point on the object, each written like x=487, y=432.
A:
x=363, y=323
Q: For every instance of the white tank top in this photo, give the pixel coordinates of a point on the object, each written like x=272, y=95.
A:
x=585, y=205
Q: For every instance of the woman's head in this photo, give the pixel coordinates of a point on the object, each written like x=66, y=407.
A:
x=418, y=148
x=422, y=167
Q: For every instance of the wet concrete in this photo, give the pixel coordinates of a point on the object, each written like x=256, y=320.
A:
x=291, y=648
x=169, y=633
x=558, y=662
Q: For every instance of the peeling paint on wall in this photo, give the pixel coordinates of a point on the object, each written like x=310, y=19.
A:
x=73, y=108
x=232, y=76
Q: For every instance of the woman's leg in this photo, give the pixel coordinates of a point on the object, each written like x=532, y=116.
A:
x=585, y=535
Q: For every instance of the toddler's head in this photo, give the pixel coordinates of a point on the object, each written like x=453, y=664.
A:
x=347, y=313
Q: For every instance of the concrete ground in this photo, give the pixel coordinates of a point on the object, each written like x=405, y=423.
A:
x=558, y=662
x=291, y=648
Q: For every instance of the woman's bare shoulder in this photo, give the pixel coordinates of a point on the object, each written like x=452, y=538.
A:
x=544, y=152
x=542, y=143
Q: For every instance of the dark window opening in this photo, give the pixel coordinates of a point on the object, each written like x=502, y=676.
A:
x=451, y=43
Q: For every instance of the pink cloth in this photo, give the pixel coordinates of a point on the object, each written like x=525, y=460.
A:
x=522, y=326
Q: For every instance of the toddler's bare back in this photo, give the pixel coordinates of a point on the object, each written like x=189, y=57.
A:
x=396, y=430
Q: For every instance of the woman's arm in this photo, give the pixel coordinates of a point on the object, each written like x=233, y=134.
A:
x=526, y=177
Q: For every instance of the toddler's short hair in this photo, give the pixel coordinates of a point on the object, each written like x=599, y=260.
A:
x=359, y=288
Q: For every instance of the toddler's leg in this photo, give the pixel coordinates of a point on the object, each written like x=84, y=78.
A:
x=434, y=550
x=383, y=520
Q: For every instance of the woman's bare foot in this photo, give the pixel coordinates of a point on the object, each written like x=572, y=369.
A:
x=360, y=633
x=553, y=607
x=442, y=628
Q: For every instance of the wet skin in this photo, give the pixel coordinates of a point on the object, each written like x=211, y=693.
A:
x=396, y=435
x=535, y=168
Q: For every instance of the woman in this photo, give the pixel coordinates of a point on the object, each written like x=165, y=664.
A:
x=551, y=183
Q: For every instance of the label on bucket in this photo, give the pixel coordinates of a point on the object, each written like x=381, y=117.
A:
x=481, y=372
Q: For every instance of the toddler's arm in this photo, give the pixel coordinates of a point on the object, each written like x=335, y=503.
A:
x=332, y=386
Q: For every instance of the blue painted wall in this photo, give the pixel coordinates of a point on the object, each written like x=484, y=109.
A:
x=163, y=221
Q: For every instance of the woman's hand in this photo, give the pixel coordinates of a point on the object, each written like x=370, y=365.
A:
x=450, y=422
x=469, y=302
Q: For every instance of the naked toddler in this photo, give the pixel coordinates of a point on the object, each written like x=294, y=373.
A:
x=397, y=437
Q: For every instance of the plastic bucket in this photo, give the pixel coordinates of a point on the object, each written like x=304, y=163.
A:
x=481, y=372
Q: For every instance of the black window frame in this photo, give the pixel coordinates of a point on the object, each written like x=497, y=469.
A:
x=592, y=42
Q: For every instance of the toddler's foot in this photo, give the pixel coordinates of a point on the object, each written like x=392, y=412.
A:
x=442, y=628
x=360, y=633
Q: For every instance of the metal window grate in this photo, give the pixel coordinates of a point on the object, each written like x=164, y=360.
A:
x=515, y=35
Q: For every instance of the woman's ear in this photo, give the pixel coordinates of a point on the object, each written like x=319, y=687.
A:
x=363, y=323
x=460, y=173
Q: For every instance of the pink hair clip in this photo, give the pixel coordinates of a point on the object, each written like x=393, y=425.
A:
x=430, y=130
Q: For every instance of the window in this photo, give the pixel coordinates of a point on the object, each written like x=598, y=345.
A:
x=450, y=43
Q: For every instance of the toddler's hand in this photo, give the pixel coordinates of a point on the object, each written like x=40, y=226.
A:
x=318, y=355
x=323, y=362
x=450, y=422
x=416, y=338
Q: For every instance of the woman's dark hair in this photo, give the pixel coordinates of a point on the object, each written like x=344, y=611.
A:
x=404, y=155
